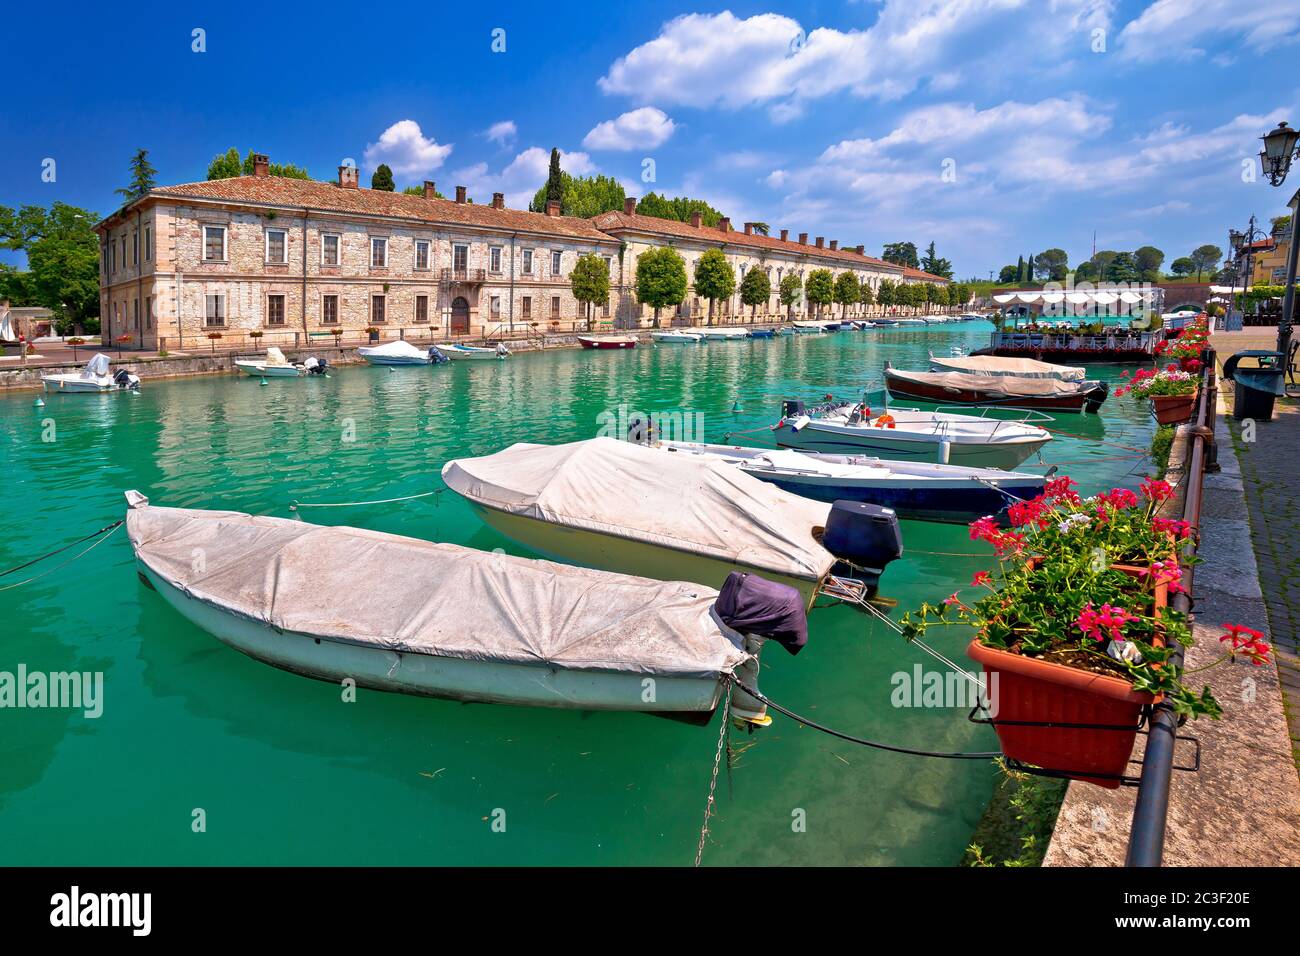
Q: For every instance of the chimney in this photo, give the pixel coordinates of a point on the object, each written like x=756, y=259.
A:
x=785, y=235
x=835, y=244
x=261, y=165
x=696, y=219
x=629, y=206
x=553, y=208
x=861, y=249
x=498, y=200
x=749, y=228
x=348, y=177
x=821, y=241
x=724, y=224
x=430, y=189
x=803, y=238
x=460, y=195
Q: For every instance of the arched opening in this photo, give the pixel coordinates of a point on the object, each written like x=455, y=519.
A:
x=460, y=316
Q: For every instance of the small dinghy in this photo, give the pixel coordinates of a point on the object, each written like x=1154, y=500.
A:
x=94, y=377
x=909, y=434
x=1000, y=367
x=677, y=337
x=761, y=333
x=472, y=353
x=725, y=335
x=275, y=365
x=607, y=342
x=809, y=328
x=997, y=391
x=457, y=623
x=913, y=489
x=624, y=507
x=399, y=352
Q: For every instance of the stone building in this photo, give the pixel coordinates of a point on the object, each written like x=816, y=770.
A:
x=294, y=259
x=745, y=249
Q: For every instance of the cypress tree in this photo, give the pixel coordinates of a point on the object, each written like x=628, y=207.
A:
x=554, y=181
x=1020, y=269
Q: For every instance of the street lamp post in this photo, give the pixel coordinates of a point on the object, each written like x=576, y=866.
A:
x=1275, y=159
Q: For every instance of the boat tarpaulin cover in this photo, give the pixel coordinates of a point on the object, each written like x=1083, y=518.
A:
x=420, y=597
x=275, y=357
x=685, y=502
x=1003, y=384
x=1017, y=367
x=97, y=367
x=755, y=605
x=399, y=348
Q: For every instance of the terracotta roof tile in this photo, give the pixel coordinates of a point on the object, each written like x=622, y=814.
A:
x=610, y=221
x=911, y=273
x=328, y=197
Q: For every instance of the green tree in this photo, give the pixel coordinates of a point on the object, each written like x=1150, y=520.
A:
x=901, y=253
x=383, y=179
x=1148, y=260
x=820, y=289
x=225, y=165
x=866, y=295
x=679, y=208
x=714, y=278
x=554, y=180
x=888, y=293
x=936, y=265
x=419, y=191
x=1183, y=266
x=846, y=292
x=791, y=292
x=1122, y=268
x=62, y=259
x=1052, y=264
x=755, y=289
x=583, y=196
x=1206, y=258
x=660, y=279
x=143, y=178
x=1010, y=274
x=762, y=228
x=590, y=282
x=283, y=170
x=1086, y=272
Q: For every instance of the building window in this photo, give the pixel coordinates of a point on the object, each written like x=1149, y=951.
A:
x=277, y=247
x=215, y=314
x=112, y=256
x=422, y=254
x=459, y=258
x=148, y=312
x=555, y=263
x=378, y=253
x=135, y=314
x=377, y=310
x=555, y=306
x=609, y=264
x=214, y=244
x=496, y=306
x=528, y=262
x=275, y=310
x=422, y=308
x=526, y=306
x=329, y=310
x=494, y=259
x=135, y=248
x=148, y=243
x=329, y=249
x=604, y=309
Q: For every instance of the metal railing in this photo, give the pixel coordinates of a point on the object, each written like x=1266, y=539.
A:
x=1147, y=832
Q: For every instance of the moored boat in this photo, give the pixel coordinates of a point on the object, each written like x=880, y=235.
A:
x=913, y=489
x=462, y=353
x=274, y=365
x=607, y=341
x=1001, y=391
x=397, y=352
x=995, y=365
x=909, y=434
x=809, y=328
x=761, y=333
x=725, y=334
x=94, y=377
x=677, y=337
x=457, y=623
x=624, y=507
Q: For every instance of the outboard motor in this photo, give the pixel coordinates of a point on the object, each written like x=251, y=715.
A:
x=1095, y=398
x=791, y=408
x=640, y=430
x=864, y=536
x=124, y=379
x=437, y=356
x=760, y=610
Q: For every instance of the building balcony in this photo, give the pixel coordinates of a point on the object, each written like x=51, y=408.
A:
x=464, y=275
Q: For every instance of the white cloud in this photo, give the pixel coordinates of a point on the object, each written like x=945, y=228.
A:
x=776, y=178
x=1172, y=29
x=643, y=128
x=502, y=133
x=521, y=177
x=406, y=151
x=706, y=60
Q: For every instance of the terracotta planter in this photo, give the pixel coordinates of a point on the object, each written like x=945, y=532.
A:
x=1172, y=409
x=1036, y=691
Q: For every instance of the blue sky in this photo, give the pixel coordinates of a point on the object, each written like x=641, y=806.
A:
x=993, y=127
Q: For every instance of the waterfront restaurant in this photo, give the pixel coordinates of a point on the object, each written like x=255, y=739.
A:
x=1065, y=325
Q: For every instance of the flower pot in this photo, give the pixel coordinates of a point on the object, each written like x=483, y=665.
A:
x=1172, y=409
x=1040, y=692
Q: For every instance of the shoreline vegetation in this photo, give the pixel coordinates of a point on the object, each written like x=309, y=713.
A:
x=1016, y=827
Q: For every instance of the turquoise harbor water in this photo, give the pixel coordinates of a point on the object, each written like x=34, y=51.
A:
x=286, y=772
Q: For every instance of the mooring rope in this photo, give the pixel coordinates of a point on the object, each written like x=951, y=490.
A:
x=106, y=532
x=70, y=544
x=713, y=782
x=356, y=504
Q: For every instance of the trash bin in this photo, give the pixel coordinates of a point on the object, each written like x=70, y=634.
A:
x=1256, y=386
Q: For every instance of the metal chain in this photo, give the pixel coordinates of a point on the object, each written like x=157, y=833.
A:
x=717, y=765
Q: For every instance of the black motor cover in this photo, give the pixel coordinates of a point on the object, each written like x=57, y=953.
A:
x=754, y=605
x=791, y=408
x=865, y=535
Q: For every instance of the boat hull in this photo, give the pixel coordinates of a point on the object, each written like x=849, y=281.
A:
x=1076, y=402
x=257, y=370
x=72, y=384
x=1074, y=356
x=606, y=343
x=958, y=503
x=611, y=553
x=676, y=338
x=889, y=443
x=443, y=677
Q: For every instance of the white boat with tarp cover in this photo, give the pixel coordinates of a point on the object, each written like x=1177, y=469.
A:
x=94, y=377
x=397, y=352
x=624, y=507
x=1004, y=367
x=457, y=623
x=274, y=365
